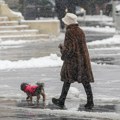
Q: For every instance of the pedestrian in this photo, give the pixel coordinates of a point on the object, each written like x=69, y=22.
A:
x=60, y=7
x=76, y=62
x=71, y=6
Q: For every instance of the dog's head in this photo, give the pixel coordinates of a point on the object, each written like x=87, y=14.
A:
x=23, y=85
x=41, y=85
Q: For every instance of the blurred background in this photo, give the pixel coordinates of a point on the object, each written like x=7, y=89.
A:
x=32, y=9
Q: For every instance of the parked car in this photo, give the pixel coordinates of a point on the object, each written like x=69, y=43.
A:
x=45, y=8
x=79, y=11
x=39, y=8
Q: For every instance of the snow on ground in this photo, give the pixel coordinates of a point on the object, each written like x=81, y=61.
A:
x=105, y=43
x=118, y=7
x=52, y=60
x=69, y=113
x=95, y=18
x=77, y=114
x=106, y=29
x=6, y=44
x=73, y=93
x=12, y=42
x=109, y=41
x=49, y=61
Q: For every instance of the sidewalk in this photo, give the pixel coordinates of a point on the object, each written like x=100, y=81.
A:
x=106, y=92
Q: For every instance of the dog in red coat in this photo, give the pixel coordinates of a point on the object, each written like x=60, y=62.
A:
x=33, y=90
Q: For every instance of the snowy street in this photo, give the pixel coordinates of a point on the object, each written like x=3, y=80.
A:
x=106, y=93
x=32, y=61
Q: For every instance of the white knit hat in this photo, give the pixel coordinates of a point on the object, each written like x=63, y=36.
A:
x=70, y=18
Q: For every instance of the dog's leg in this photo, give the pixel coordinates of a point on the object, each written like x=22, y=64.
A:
x=28, y=99
x=44, y=97
x=31, y=100
x=43, y=94
x=38, y=98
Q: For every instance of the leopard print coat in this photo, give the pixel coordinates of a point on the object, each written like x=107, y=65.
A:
x=76, y=65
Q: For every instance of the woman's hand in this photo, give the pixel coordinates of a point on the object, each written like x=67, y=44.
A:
x=60, y=46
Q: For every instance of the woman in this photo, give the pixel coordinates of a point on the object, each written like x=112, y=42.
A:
x=76, y=66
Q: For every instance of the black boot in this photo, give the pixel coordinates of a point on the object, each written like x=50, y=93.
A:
x=61, y=101
x=89, y=105
x=88, y=90
x=58, y=102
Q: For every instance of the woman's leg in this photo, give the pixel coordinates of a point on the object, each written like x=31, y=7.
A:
x=89, y=94
x=60, y=102
x=65, y=90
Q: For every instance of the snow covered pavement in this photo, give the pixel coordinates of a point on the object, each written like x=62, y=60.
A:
x=32, y=61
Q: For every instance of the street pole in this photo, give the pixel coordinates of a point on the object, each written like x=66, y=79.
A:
x=24, y=8
x=113, y=10
x=117, y=16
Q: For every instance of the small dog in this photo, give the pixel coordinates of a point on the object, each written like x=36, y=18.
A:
x=33, y=90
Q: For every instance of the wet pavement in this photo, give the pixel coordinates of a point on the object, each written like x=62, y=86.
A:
x=9, y=108
x=13, y=108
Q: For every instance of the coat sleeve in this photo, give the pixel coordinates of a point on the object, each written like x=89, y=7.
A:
x=68, y=49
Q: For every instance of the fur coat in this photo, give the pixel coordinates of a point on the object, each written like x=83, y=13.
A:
x=76, y=65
